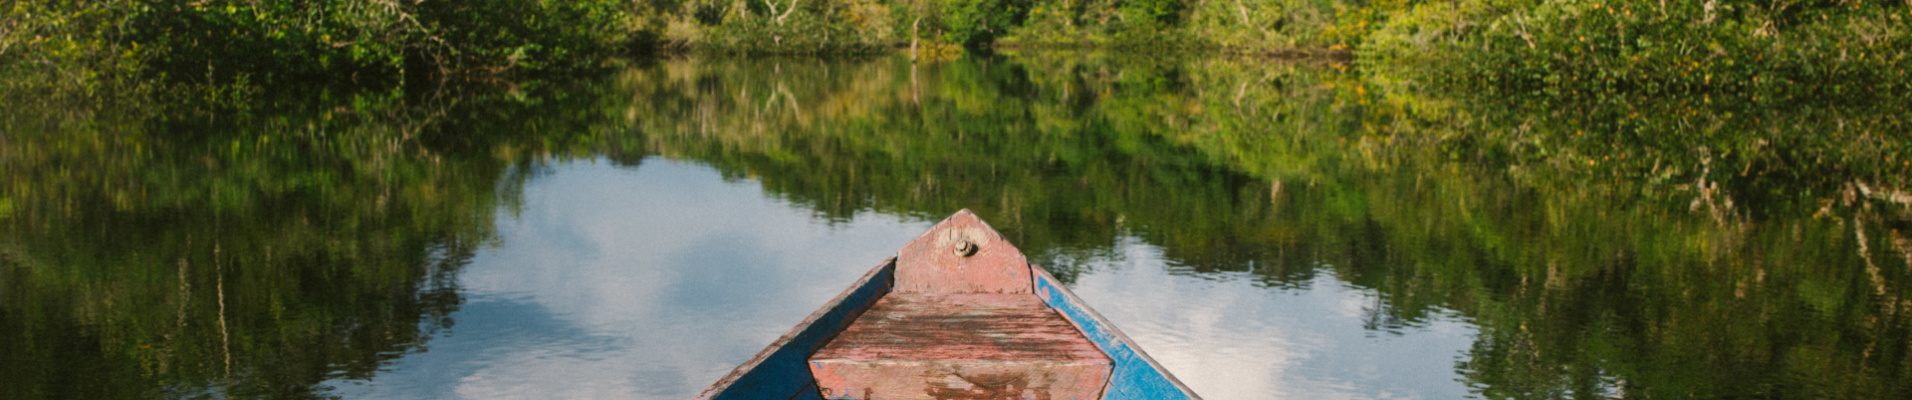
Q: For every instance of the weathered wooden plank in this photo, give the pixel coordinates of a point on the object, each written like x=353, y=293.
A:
x=780, y=371
x=961, y=254
x=960, y=346
x=1136, y=376
x=1013, y=327
x=959, y=380
x=965, y=329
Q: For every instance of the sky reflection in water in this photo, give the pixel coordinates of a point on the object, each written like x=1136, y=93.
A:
x=1265, y=230
x=653, y=281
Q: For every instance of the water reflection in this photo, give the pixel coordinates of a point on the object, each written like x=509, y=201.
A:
x=1230, y=337
x=653, y=281
x=1266, y=229
x=634, y=282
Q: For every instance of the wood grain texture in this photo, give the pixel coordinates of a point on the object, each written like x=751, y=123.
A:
x=976, y=323
x=959, y=380
x=960, y=346
x=932, y=263
x=1000, y=327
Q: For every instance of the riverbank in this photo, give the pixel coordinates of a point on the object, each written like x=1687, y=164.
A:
x=1552, y=47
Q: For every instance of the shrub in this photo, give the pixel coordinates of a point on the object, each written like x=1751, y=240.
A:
x=295, y=39
x=1784, y=48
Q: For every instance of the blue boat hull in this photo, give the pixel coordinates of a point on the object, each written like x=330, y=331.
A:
x=1136, y=376
x=782, y=371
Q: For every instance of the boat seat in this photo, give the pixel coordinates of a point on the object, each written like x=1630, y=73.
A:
x=960, y=346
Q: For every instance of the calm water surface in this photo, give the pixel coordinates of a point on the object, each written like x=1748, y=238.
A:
x=1265, y=230
x=655, y=280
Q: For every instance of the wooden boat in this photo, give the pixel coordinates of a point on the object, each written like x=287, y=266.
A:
x=959, y=313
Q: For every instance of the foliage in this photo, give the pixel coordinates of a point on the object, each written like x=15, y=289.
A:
x=798, y=31
x=1786, y=49
x=1625, y=269
x=978, y=22
x=1613, y=245
x=1775, y=50
x=381, y=37
x=252, y=247
x=53, y=49
x=796, y=27
x=81, y=46
x=1261, y=25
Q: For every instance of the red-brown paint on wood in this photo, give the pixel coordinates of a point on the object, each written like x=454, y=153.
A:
x=960, y=346
x=937, y=262
x=957, y=380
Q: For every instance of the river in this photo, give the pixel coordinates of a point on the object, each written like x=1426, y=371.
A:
x=1266, y=230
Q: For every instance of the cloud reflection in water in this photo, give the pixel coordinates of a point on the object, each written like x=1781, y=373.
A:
x=652, y=282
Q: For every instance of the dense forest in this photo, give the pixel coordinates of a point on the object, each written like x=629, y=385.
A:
x=1781, y=48
x=1738, y=147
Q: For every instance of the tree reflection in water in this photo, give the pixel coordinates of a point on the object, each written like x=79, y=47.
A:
x=1617, y=247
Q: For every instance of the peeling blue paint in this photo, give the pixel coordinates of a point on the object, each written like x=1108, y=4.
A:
x=1136, y=377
